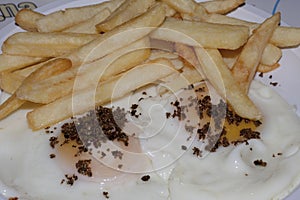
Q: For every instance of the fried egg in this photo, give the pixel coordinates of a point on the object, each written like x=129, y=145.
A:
x=167, y=167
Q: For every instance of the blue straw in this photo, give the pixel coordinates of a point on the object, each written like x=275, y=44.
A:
x=275, y=7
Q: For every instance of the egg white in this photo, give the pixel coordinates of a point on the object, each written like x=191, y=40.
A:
x=28, y=172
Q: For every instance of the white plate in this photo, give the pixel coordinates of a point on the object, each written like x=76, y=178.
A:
x=287, y=75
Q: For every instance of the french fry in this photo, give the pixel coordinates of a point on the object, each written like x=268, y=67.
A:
x=44, y=44
x=132, y=30
x=286, y=37
x=208, y=35
x=27, y=18
x=10, y=105
x=282, y=37
x=215, y=70
x=28, y=70
x=13, y=102
x=249, y=59
x=267, y=68
x=128, y=10
x=271, y=55
x=10, y=82
x=52, y=88
x=182, y=6
x=10, y=62
x=177, y=81
x=106, y=91
x=60, y=20
x=88, y=26
x=187, y=53
x=221, y=7
x=215, y=6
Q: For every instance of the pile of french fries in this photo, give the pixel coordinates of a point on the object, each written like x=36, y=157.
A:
x=68, y=61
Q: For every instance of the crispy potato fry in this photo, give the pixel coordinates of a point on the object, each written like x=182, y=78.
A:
x=207, y=35
x=27, y=18
x=155, y=54
x=249, y=59
x=267, y=68
x=128, y=10
x=28, y=70
x=106, y=91
x=88, y=26
x=10, y=105
x=182, y=6
x=52, y=88
x=221, y=6
x=286, y=37
x=109, y=42
x=282, y=37
x=177, y=81
x=13, y=102
x=215, y=70
x=10, y=62
x=10, y=82
x=60, y=20
x=44, y=44
x=187, y=54
x=271, y=55
x=54, y=67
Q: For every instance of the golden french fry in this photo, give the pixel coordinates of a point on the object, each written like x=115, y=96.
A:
x=28, y=70
x=52, y=88
x=282, y=37
x=88, y=26
x=10, y=82
x=182, y=6
x=215, y=70
x=249, y=59
x=187, y=53
x=267, y=68
x=107, y=91
x=128, y=10
x=177, y=81
x=10, y=62
x=45, y=44
x=286, y=37
x=10, y=105
x=53, y=67
x=221, y=7
x=27, y=18
x=132, y=30
x=208, y=35
x=60, y=20
x=271, y=55
x=155, y=54
x=13, y=102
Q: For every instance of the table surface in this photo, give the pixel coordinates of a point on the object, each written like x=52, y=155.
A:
x=288, y=8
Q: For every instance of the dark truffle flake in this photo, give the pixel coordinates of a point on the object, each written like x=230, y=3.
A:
x=117, y=154
x=260, y=163
x=197, y=152
x=70, y=179
x=53, y=141
x=105, y=194
x=83, y=167
x=145, y=178
x=52, y=156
